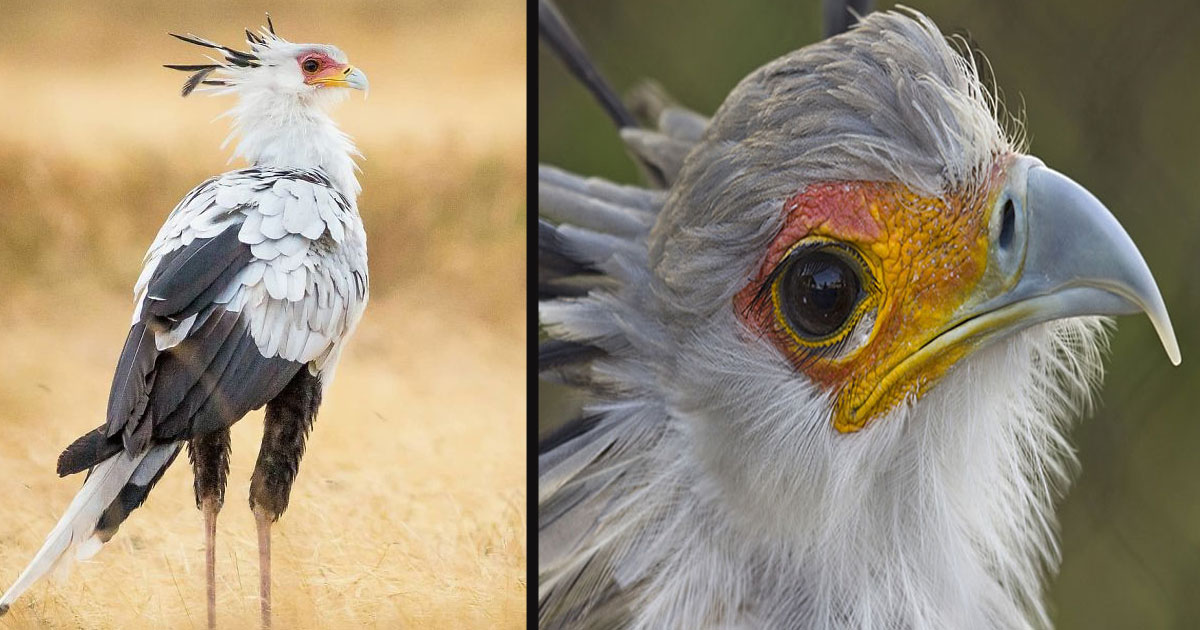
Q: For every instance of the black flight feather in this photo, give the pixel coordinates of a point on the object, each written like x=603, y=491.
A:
x=551, y=287
x=181, y=367
x=93, y=447
x=191, y=272
x=179, y=422
x=130, y=383
x=247, y=384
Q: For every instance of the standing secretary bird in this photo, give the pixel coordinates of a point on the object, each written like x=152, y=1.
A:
x=248, y=295
x=832, y=362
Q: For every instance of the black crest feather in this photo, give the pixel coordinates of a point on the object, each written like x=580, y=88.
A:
x=232, y=57
x=196, y=79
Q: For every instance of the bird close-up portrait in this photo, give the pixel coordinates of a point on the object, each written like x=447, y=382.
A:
x=253, y=378
x=853, y=315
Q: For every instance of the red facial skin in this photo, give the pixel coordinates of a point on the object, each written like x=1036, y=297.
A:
x=837, y=208
x=926, y=255
x=327, y=68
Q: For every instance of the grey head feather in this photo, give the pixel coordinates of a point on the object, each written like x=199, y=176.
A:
x=888, y=101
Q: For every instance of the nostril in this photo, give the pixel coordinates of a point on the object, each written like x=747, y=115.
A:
x=1007, y=224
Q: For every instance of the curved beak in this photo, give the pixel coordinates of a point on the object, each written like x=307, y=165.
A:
x=1053, y=252
x=347, y=77
x=1061, y=254
x=356, y=79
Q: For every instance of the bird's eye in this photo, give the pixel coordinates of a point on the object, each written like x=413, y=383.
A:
x=311, y=65
x=817, y=293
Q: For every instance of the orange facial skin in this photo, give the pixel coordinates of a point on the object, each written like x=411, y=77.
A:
x=925, y=255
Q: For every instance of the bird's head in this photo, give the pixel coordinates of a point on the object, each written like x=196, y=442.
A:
x=874, y=290
x=283, y=90
x=274, y=67
x=857, y=264
x=835, y=377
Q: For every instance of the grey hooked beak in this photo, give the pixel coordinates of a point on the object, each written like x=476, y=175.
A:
x=1053, y=252
x=357, y=79
x=1057, y=252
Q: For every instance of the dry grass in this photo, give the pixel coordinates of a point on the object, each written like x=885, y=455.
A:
x=409, y=508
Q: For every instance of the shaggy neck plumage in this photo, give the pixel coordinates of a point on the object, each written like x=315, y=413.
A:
x=940, y=516
x=284, y=130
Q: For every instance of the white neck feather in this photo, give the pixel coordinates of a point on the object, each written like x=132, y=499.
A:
x=286, y=130
x=939, y=515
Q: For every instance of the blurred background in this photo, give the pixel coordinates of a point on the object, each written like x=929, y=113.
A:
x=409, y=510
x=1109, y=92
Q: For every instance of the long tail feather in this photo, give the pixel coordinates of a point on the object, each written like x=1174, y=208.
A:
x=113, y=488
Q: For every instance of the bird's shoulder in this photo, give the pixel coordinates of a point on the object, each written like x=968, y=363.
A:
x=290, y=242
x=293, y=211
x=304, y=198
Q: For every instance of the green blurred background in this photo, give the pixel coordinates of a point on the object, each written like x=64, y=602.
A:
x=1109, y=91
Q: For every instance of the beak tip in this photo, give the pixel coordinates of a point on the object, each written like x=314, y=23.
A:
x=1098, y=253
x=1166, y=336
x=1157, y=312
x=1172, y=351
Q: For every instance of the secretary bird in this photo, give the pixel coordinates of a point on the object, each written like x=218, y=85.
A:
x=247, y=298
x=832, y=354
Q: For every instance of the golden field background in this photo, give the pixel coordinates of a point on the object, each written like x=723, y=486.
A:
x=409, y=510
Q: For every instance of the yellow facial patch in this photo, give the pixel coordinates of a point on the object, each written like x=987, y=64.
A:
x=922, y=258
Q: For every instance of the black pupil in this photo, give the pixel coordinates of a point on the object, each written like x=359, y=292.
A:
x=818, y=293
x=310, y=65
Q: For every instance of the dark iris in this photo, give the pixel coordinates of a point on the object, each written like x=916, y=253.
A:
x=311, y=65
x=817, y=293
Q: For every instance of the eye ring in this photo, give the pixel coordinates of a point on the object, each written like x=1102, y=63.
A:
x=819, y=293
x=310, y=65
